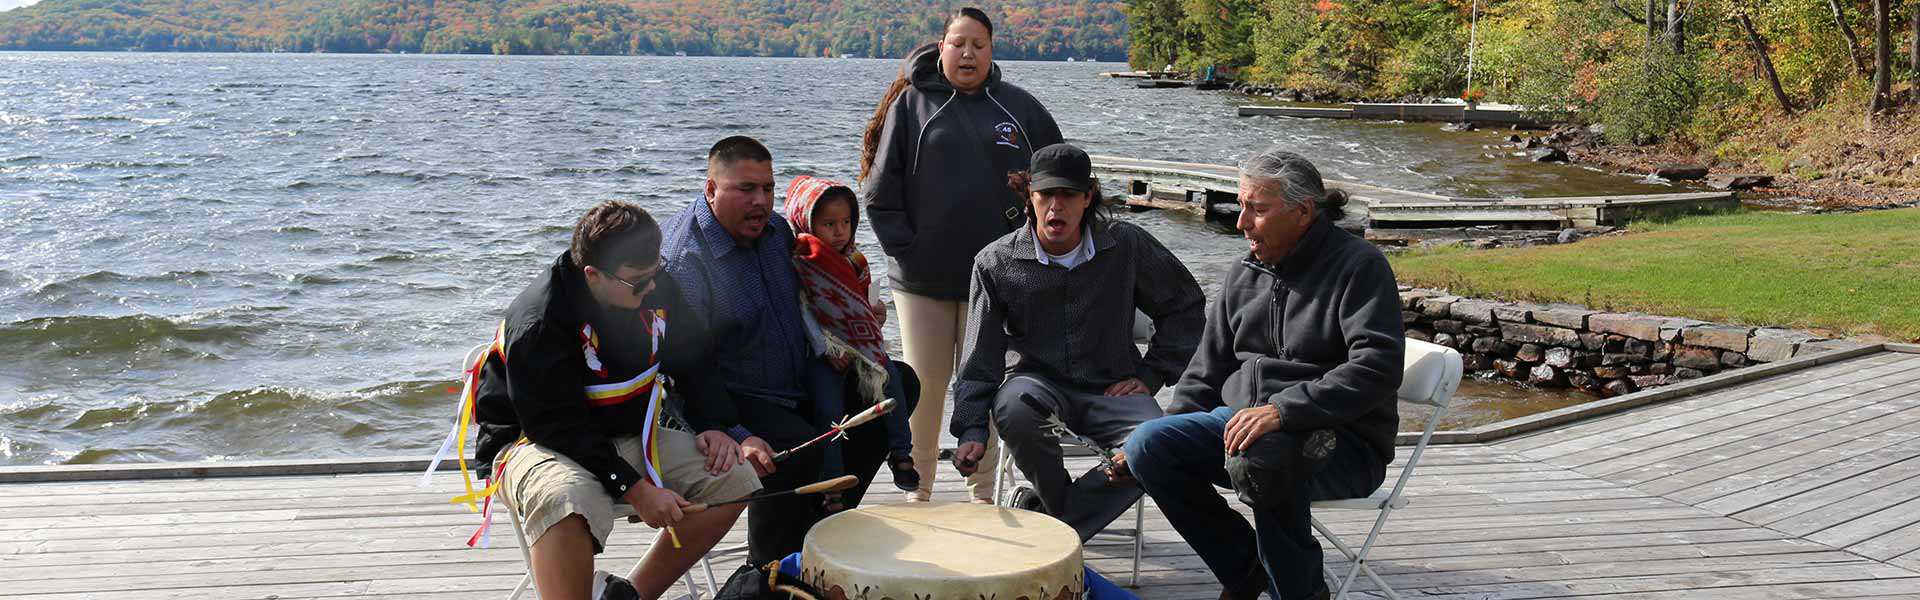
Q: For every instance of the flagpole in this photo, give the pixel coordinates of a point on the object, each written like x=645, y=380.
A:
x=1473, y=41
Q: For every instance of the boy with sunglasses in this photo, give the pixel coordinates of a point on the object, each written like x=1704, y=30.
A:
x=591, y=395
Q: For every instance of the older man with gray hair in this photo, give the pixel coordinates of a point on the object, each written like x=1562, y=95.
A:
x=1290, y=397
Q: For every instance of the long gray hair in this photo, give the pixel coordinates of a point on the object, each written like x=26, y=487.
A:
x=1298, y=181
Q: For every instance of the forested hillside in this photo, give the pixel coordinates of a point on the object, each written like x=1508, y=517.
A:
x=1816, y=87
x=1037, y=29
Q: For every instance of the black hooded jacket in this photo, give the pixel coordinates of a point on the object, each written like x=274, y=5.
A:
x=937, y=192
x=536, y=380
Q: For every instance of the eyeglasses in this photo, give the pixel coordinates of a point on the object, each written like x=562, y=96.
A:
x=637, y=287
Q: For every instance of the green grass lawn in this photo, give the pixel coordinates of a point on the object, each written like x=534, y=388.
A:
x=1847, y=274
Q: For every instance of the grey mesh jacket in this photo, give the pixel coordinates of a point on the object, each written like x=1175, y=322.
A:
x=1320, y=336
x=1073, y=327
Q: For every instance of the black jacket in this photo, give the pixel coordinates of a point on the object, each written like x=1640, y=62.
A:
x=538, y=387
x=937, y=192
x=1073, y=326
x=1320, y=337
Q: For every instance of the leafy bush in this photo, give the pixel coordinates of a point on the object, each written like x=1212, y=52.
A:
x=1643, y=103
x=1434, y=65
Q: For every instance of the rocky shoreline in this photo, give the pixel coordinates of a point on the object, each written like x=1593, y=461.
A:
x=1784, y=191
x=1601, y=352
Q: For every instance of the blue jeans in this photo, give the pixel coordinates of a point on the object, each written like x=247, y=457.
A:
x=1179, y=459
x=830, y=405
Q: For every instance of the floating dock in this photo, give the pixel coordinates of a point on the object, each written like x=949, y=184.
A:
x=1213, y=190
x=1145, y=74
x=1796, y=479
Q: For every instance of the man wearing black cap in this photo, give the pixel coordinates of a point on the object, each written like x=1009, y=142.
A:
x=1060, y=294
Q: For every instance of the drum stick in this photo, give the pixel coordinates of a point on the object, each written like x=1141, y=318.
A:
x=836, y=484
x=1059, y=429
x=839, y=429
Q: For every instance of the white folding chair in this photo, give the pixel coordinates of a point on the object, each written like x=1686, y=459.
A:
x=1432, y=375
x=1003, y=478
x=621, y=510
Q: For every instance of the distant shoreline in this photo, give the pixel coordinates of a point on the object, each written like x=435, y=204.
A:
x=481, y=55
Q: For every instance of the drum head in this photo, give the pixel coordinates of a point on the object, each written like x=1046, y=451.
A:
x=933, y=550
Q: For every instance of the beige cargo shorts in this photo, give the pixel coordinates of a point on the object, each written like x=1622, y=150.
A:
x=545, y=487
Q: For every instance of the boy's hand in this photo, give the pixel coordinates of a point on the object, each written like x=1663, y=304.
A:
x=1120, y=475
x=966, y=458
x=880, y=312
x=721, y=451
x=758, y=454
x=659, y=507
x=840, y=361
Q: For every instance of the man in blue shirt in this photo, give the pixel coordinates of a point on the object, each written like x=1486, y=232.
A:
x=734, y=260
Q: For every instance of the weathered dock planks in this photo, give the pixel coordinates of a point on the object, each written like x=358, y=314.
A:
x=1799, y=482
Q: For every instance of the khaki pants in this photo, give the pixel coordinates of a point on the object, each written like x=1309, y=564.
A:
x=546, y=487
x=932, y=330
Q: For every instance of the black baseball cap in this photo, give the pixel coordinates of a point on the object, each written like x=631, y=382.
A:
x=1061, y=166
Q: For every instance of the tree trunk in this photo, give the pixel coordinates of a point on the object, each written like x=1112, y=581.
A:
x=1853, y=41
x=1676, y=28
x=1882, y=55
x=1653, y=21
x=1759, y=46
x=1913, y=8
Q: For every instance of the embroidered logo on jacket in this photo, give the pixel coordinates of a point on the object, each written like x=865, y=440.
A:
x=1007, y=135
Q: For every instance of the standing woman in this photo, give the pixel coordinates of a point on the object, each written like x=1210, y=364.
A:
x=940, y=186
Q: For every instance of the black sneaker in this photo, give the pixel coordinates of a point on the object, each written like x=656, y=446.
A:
x=905, y=476
x=607, y=586
x=1250, y=586
x=1025, y=498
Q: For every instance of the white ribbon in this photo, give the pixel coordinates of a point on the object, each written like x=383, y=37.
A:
x=459, y=413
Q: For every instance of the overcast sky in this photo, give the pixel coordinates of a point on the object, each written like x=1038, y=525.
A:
x=11, y=4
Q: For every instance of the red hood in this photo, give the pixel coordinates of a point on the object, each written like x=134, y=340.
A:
x=802, y=193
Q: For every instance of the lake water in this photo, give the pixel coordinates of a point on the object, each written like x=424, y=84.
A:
x=253, y=256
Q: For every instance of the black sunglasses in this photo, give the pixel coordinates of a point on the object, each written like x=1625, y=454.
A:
x=637, y=287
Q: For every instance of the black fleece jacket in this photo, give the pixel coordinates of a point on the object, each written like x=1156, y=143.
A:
x=1320, y=337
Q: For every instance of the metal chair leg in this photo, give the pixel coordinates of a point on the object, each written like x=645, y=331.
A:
x=1139, y=539
x=526, y=581
x=1358, y=559
x=526, y=554
x=1001, y=474
x=693, y=587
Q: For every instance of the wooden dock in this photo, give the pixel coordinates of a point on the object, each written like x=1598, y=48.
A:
x=1163, y=74
x=1800, y=481
x=1445, y=113
x=1214, y=190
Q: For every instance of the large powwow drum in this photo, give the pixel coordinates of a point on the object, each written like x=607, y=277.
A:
x=943, y=551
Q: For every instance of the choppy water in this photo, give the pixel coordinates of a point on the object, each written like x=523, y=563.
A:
x=244, y=256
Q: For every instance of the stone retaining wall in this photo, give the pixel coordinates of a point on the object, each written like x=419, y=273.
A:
x=1602, y=352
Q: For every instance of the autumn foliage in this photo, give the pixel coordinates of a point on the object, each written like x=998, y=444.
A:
x=1027, y=29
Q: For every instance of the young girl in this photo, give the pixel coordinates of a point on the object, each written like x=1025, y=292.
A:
x=845, y=316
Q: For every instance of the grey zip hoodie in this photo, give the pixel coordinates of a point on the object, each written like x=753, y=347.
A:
x=937, y=192
x=1318, y=336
